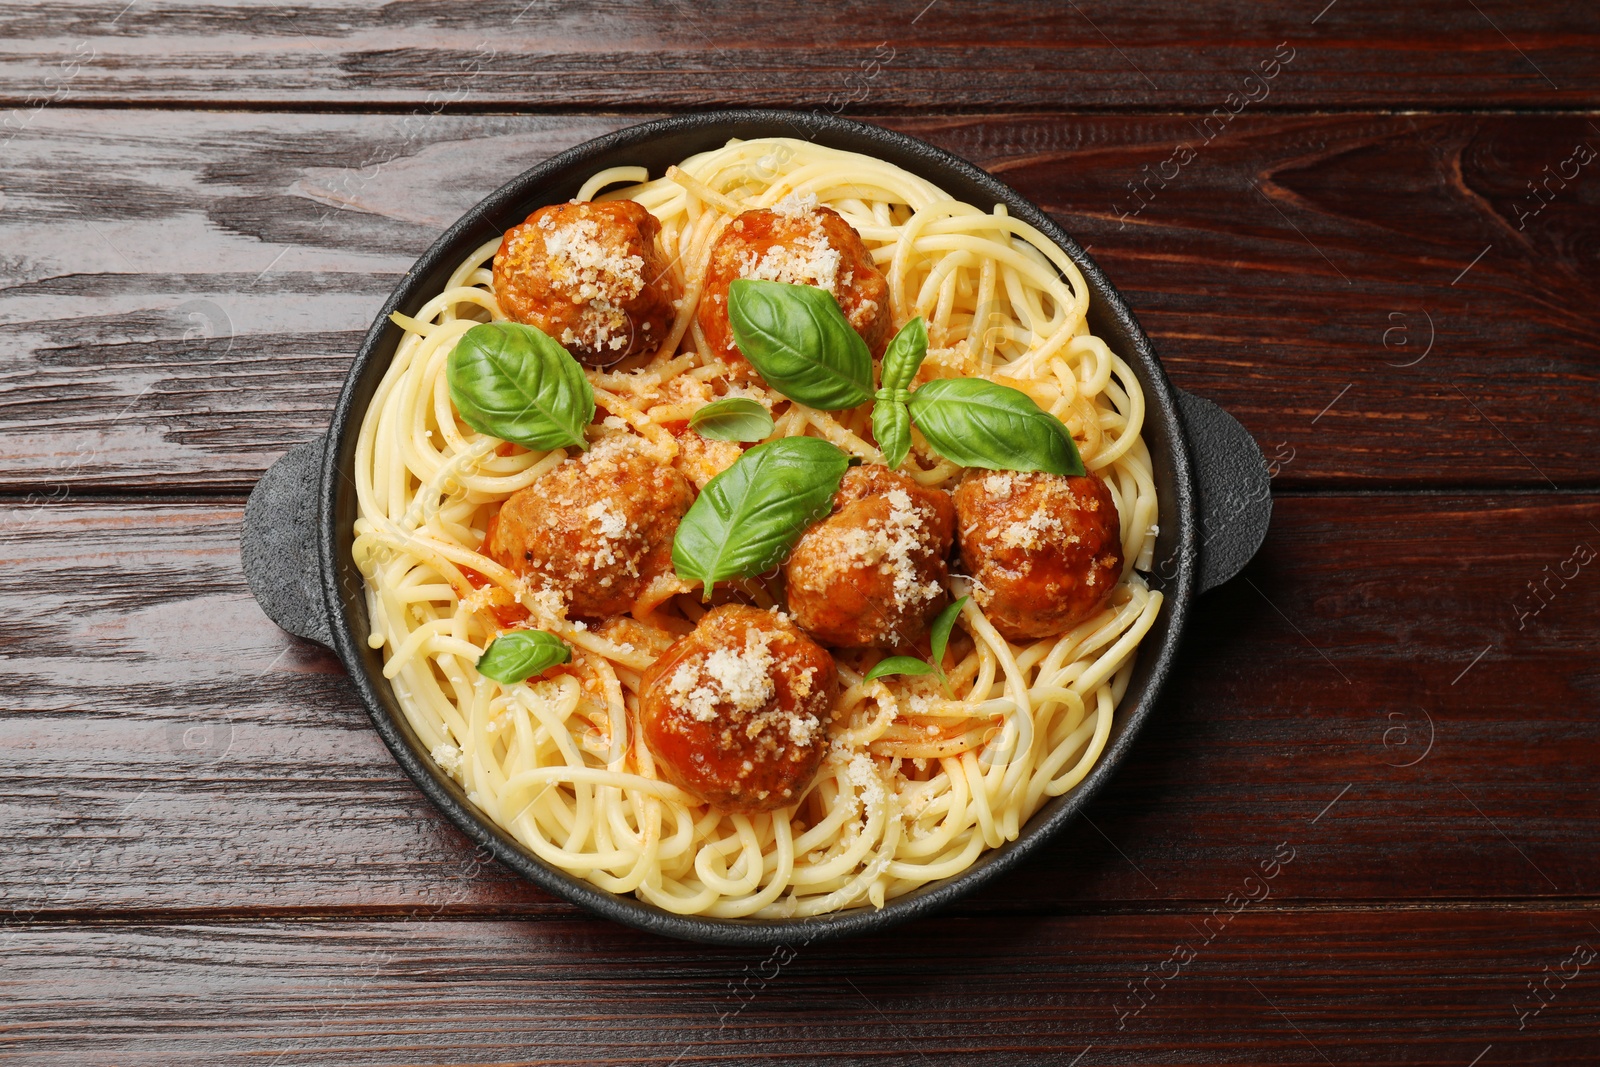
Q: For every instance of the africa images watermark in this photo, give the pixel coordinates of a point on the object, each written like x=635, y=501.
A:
x=57, y=87
x=1540, y=592
x=343, y=190
x=858, y=83
x=197, y=320
x=1541, y=995
x=1226, y=512
x=1140, y=992
x=1540, y=194
x=750, y=984
x=1257, y=86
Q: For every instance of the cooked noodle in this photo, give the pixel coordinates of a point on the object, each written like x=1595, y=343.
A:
x=916, y=784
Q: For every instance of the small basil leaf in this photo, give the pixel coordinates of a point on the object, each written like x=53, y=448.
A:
x=904, y=355
x=898, y=665
x=977, y=423
x=891, y=422
x=514, y=382
x=800, y=342
x=733, y=418
x=939, y=632
x=747, y=518
x=891, y=426
x=513, y=656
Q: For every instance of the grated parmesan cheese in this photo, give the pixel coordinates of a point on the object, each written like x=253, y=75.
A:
x=898, y=541
x=807, y=260
x=598, y=278
x=739, y=678
x=803, y=728
x=803, y=683
x=609, y=522
x=998, y=482
x=796, y=204
x=448, y=758
x=578, y=259
x=862, y=773
x=1034, y=533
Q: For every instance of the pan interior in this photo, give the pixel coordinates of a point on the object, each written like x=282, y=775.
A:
x=656, y=145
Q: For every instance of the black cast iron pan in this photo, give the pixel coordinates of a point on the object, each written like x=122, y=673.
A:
x=1210, y=480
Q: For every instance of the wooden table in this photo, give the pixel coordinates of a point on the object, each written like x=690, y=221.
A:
x=1383, y=259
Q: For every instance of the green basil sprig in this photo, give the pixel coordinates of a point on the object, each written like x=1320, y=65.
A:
x=747, y=518
x=797, y=337
x=891, y=420
x=733, y=418
x=513, y=656
x=898, y=665
x=977, y=423
x=516, y=383
x=938, y=641
x=939, y=632
x=891, y=425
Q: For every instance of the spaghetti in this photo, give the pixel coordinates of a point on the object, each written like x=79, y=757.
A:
x=919, y=779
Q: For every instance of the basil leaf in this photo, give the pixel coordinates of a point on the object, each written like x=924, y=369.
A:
x=800, y=342
x=891, y=422
x=977, y=423
x=733, y=418
x=904, y=355
x=513, y=656
x=898, y=665
x=939, y=632
x=891, y=426
x=514, y=382
x=747, y=518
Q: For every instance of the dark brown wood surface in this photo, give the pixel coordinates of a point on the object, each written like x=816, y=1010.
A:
x=209, y=857
x=1340, y=659
x=909, y=54
x=1304, y=271
x=1423, y=986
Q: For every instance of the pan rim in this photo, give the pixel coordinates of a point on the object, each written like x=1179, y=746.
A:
x=936, y=165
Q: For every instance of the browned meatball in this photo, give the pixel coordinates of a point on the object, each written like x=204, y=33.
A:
x=1044, y=550
x=737, y=712
x=873, y=572
x=595, y=530
x=590, y=276
x=802, y=245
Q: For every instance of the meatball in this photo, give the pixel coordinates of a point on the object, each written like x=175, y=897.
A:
x=873, y=572
x=736, y=712
x=595, y=530
x=804, y=245
x=590, y=276
x=1044, y=550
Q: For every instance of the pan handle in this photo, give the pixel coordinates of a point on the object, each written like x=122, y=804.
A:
x=278, y=546
x=1235, y=490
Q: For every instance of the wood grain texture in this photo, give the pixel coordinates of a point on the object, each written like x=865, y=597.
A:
x=1385, y=264
x=1380, y=297
x=932, y=54
x=1402, y=711
x=1273, y=987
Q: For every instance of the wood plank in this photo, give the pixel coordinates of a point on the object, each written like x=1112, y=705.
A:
x=1403, y=713
x=189, y=314
x=1371, y=310
x=1428, y=986
x=897, y=54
